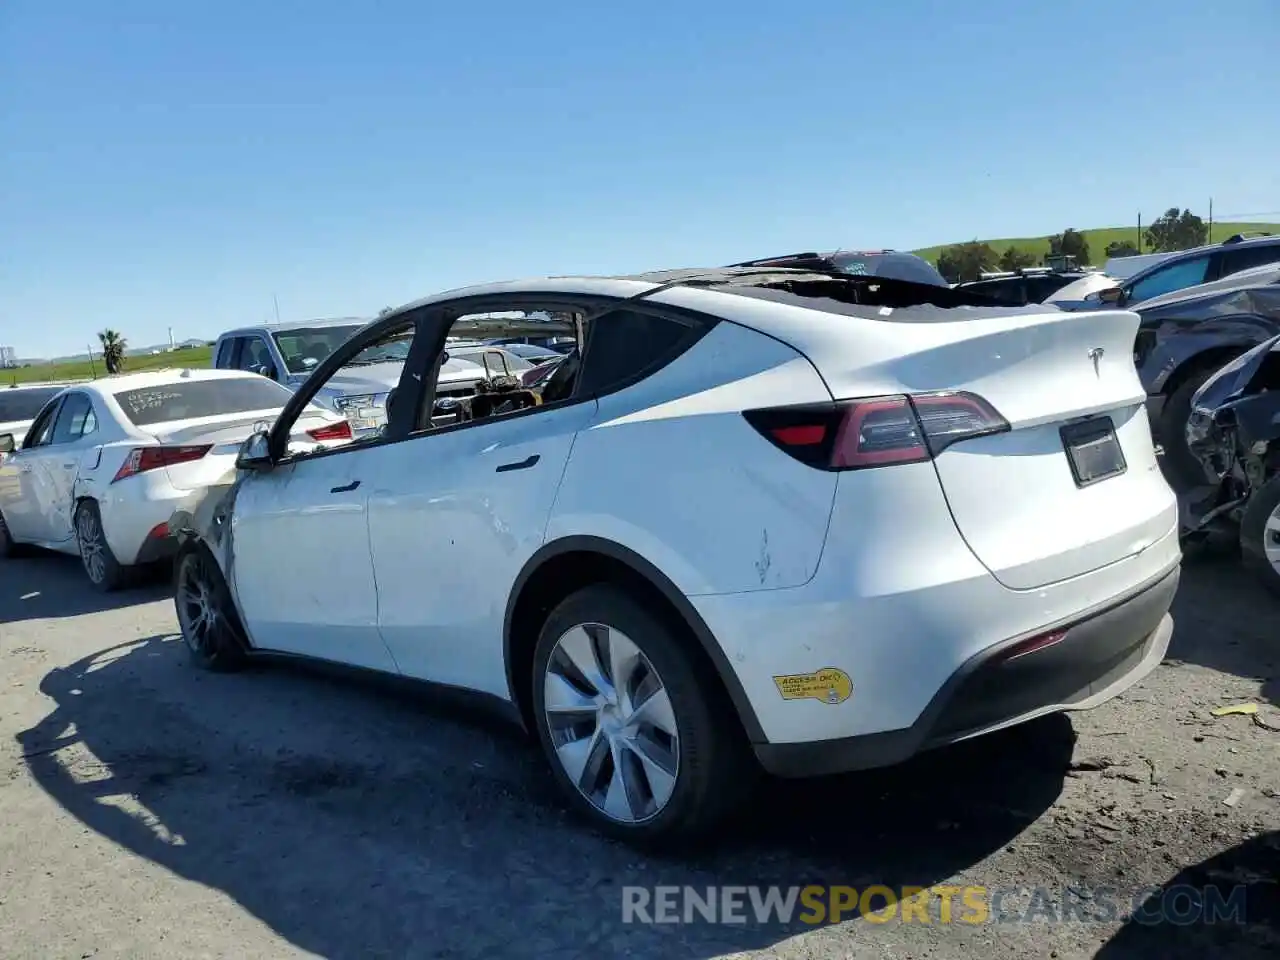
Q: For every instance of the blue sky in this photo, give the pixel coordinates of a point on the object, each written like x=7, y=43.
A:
x=179, y=164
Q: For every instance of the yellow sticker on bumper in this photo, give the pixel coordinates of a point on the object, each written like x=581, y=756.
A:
x=828, y=685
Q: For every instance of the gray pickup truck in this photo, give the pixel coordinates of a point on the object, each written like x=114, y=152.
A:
x=288, y=352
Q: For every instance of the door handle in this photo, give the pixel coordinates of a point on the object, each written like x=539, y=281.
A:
x=70, y=466
x=347, y=489
x=524, y=464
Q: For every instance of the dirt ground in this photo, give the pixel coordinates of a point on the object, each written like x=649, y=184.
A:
x=149, y=810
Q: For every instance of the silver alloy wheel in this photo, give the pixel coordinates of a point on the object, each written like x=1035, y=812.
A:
x=197, y=610
x=611, y=723
x=89, y=535
x=1271, y=539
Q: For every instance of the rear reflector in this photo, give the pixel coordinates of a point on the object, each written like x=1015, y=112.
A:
x=876, y=431
x=335, y=431
x=142, y=459
x=158, y=532
x=1032, y=644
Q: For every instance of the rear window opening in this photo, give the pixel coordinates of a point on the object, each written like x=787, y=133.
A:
x=193, y=399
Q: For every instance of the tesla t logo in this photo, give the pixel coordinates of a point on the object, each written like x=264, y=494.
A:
x=1096, y=356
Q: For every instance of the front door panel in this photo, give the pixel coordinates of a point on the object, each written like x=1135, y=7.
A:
x=300, y=561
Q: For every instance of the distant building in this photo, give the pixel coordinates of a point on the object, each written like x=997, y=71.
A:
x=8, y=357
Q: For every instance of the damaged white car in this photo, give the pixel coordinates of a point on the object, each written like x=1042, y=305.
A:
x=759, y=517
x=105, y=463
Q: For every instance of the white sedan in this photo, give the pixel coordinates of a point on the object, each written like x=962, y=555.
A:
x=105, y=463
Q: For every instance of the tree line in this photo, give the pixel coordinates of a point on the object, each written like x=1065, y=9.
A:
x=1173, y=230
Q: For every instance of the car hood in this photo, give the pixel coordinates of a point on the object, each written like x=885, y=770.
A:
x=1076, y=291
x=18, y=428
x=1212, y=301
x=377, y=379
x=355, y=381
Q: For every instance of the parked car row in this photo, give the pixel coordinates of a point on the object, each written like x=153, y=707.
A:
x=743, y=521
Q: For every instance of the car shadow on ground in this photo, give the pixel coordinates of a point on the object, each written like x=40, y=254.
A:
x=1214, y=908
x=1226, y=620
x=45, y=585
x=357, y=823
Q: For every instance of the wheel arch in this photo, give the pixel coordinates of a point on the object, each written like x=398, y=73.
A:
x=568, y=564
x=1210, y=359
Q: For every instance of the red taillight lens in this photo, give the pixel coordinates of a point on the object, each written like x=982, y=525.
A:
x=877, y=431
x=950, y=417
x=335, y=431
x=142, y=459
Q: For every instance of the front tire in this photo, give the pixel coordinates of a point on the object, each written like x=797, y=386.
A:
x=638, y=733
x=1260, y=535
x=1182, y=468
x=210, y=627
x=105, y=572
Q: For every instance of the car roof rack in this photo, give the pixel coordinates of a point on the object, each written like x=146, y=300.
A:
x=1240, y=237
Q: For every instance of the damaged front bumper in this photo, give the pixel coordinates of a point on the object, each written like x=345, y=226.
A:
x=1234, y=431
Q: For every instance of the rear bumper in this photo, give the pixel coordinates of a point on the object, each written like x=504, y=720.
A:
x=131, y=513
x=1097, y=659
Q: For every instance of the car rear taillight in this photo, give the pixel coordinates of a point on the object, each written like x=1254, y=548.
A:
x=876, y=431
x=335, y=431
x=142, y=459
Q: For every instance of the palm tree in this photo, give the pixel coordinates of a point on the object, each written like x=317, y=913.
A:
x=113, y=347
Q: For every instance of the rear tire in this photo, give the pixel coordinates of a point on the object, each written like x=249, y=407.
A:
x=639, y=736
x=210, y=626
x=1181, y=467
x=1260, y=535
x=105, y=572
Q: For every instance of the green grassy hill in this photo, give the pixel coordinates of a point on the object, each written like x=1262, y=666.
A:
x=1098, y=240
x=81, y=369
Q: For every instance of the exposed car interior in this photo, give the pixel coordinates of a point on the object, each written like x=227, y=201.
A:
x=500, y=394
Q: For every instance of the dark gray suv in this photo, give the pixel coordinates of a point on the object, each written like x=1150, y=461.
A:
x=1190, y=268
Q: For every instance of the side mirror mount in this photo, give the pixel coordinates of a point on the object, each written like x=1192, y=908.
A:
x=255, y=453
x=391, y=398
x=1111, y=295
x=7, y=443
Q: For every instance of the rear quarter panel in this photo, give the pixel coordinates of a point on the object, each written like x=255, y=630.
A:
x=670, y=469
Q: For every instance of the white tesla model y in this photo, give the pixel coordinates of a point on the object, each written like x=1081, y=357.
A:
x=759, y=518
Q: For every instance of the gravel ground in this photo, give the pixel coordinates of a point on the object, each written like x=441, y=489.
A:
x=150, y=810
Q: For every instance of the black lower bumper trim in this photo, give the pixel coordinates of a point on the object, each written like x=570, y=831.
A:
x=995, y=689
